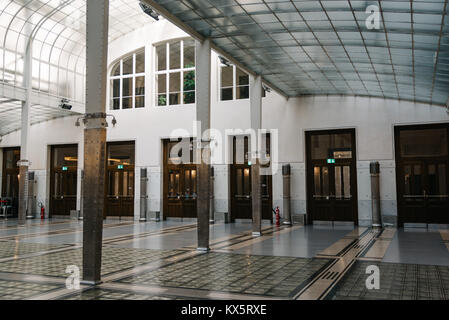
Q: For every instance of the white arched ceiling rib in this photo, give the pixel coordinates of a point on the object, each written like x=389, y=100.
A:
x=59, y=41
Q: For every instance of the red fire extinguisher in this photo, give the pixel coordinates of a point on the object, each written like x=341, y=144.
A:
x=42, y=212
x=278, y=217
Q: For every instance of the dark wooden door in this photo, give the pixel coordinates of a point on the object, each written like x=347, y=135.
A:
x=63, y=181
x=120, y=192
x=331, y=176
x=180, y=180
x=422, y=175
x=120, y=179
x=10, y=178
x=240, y=180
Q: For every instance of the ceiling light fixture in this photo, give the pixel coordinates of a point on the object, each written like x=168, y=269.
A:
x=149, y=11
x=266, y=88
x=224, y=61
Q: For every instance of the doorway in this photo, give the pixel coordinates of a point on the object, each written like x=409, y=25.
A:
x=119, y=200
x=63, y=179
x=180, y=174
x=331, y=176
x=10, y=178
x=240, y=180
x=422, y=161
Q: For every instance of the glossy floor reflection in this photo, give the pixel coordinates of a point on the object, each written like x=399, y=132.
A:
x=159, y=260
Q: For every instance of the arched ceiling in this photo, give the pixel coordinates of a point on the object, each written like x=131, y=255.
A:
x=325, y=47
x=58, y=29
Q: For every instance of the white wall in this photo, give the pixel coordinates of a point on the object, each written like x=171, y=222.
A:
x=372, y=118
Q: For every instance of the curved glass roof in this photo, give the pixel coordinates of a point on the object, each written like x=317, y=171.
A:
x=58, y=29
x=325, y=47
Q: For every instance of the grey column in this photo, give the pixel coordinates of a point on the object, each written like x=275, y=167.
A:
x=30, y=205
x=24, y=133
x=286, y=194
x=203, y=56
x=81, y=214
x=143, y=194
x=95, y=138
x=256, y=124
x=374, y=168
x=211, y=197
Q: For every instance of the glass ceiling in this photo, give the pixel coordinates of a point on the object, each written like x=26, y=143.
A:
x=58, y=28
x=325, y=47
x=10, y=114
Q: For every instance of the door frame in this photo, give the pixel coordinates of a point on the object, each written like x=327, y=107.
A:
x=309, y=178
x=126, y=168
x=166, y=167
x=231, y=178
x=51, y=189
x=14, y=170
x=399, y=165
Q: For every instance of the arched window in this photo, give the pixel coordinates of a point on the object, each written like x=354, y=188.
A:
x=175, y=73
x=128, y=82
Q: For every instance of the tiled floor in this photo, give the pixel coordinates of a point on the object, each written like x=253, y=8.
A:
x=264, y=275
x=17, y=290
x=104, y=294
x=55, y=264
x=159, y=261
x=397, y=282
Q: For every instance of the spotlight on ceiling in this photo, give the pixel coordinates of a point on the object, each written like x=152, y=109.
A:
x=224, y=61
x=65, y=104
x=266, y=88
x=149, y=11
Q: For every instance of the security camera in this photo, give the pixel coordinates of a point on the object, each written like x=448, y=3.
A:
x=65, y=104
x=149, y=11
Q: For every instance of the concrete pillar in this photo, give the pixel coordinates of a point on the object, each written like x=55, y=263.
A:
x=286, y=194
x=374, y=168
x=95, y=138
x=203, y=69
x=256, y=124
x=211, y=197
x=143, y=194
x=24, y=162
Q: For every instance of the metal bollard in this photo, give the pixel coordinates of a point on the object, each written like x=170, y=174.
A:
x=211, y=197
x=374, y=169
x=286, y=194
x=80, y=213
x=143, y=194
x=30, y=204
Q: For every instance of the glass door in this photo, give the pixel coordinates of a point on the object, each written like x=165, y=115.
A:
x=331, y=175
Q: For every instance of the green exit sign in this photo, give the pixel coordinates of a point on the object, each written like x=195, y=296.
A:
x=330, y=160
x=120, y=166
x=65, y=168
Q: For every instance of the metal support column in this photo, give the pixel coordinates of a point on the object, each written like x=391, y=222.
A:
x=203, y=69
x=95, y=138
x=143, y=194
x=256, y=124
x=211, y=197
x=24, y=162
x=286, y=194
x=374, y=169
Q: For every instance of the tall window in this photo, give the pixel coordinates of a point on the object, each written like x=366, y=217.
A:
x=234, y=83
x=175, y=73
x=128, y=82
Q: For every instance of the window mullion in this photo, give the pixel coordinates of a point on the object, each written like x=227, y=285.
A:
x=167, y=68
x=181, y=77
x=134, y=82
x=234, y=83
x=121, y=85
